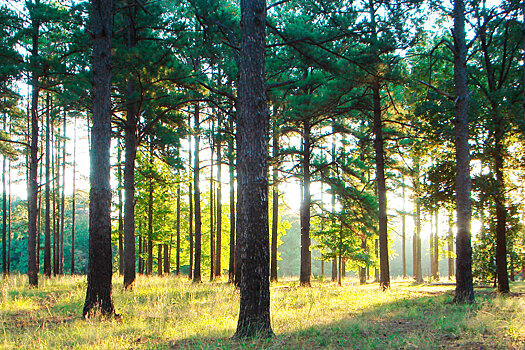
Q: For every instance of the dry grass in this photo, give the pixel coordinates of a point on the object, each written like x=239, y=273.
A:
x=172, y=313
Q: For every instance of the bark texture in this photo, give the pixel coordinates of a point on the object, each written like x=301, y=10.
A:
x=252, y=148
x=98, y=294
x=464, y=286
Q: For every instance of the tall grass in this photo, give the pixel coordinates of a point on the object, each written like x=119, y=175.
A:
x=169, y=312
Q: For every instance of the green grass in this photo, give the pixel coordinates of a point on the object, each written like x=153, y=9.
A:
x=172, y=313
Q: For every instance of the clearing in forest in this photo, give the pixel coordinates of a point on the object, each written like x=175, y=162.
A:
x=172, y=313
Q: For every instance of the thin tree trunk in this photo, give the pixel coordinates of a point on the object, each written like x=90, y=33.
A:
x=212, y=207
x=9, y=224
x=177, y=262
x=166, y=256
x=501, y=213
x=403, y=235
x=141, y=261
x=47, y=221
x=149, y=267
x=275, y=202
x=362, y=270
x=376, y=252
x=98, y=295
x=334, y=269
x=56, y=206
x=231, y=168
x=306, y=255
x=450, y=246
x=252, y=141
x=436, y=248
x=63, y=196
x=33, y=164
x=149, y=270
x=159, y=259
x=4, y=216
x=54, y=199
x=218, y=246
x=120, y=212
x=73, y=199
x=197, y=198
x=464, y=284
x=381, y=188
x=190, y=196
x=431, y=250
x=130, y=150
x=418, y=271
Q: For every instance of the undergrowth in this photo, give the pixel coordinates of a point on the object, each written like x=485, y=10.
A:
x=172, y=313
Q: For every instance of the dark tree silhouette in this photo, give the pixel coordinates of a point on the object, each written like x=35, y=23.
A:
x=252, y=148
x=464, y=287
x=98, y=294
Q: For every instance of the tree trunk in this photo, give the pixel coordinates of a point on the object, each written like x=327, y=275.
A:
x=149, y=267
x=275, y=202
x=431, y=250
x=252, y=141
x=32, y=190
x=381, y=188
x=218, y=247
x=73, y=203
x=306, y=255
x=418, y=271
x=4, y=216
x=141, y=261
x=436, y=248
x=130, y=154
x=9, y=224
x=98, y=295
x=63, y=195
x=501, y=212
x=403, y=235
x=362, y=270
x=190, y=196
x=197, y=198
x=159, y=259
x=376, y=252
x=56, y=204
x=450, y=246
x=464, y=285
x=149, y=270
x=334, y=269
x=231, y=168
x=177, y=258
x=212, y=206
x=120, y=212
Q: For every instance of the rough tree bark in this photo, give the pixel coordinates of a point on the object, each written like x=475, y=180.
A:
x=177, y=258
x=190, y=196
x=98, y=294
x=464, y=285
x=32, y=190
x=384, y=279
x=275, y=201
x=212, y=206
x=120, y=227
x=130, y=153
x=218, y=246
x=306, y=255
x=231, y=169
x=73, y=199
x=252, y=148
x=197, y=199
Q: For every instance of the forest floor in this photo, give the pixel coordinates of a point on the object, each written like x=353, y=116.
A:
x=172, y=313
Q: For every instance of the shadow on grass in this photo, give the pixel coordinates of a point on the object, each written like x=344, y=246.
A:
x=427, y=321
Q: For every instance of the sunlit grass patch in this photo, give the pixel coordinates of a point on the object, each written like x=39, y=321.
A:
x=173, y=313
